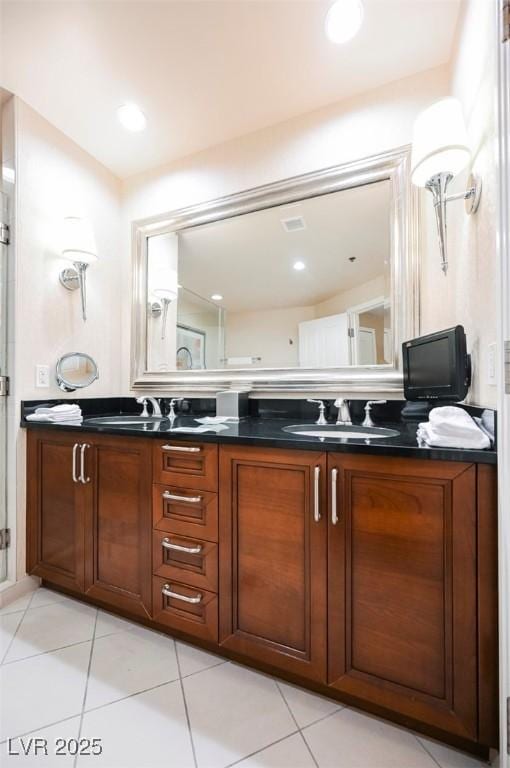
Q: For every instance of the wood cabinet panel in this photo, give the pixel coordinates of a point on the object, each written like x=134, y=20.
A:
x=273, y=558
x=188, y=465
x=185, y=512
x=199, y=619
x=55, y=510
x=119, y=544
x=402, y=588
x=191, y=561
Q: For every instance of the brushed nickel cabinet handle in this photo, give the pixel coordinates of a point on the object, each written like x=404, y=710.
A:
x=83, y=479
x=334, y=513
x=316, y=494
x=176, y=497
x=168, y=593
x=167, y=544
x=182, y=448
x=75, y=451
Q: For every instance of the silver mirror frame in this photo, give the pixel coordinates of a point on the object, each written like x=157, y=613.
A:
x=67, y=386
x=354, y=380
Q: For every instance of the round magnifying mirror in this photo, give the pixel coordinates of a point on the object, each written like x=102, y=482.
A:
x=75, y=371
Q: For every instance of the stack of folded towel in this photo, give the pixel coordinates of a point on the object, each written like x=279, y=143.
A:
x=58, y=414
x=452, y=427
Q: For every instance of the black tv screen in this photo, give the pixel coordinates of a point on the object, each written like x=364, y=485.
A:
x=437, y=366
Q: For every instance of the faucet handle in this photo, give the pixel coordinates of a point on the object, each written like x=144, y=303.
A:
x=143, y=401
x=368, y=407
x=322, y=419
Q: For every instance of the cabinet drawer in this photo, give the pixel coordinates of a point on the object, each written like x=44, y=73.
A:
x=190, y=465
x=190, y=610
x=185, y=512
x=186, y=559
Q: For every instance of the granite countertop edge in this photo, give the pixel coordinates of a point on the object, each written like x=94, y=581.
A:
x=267, y=433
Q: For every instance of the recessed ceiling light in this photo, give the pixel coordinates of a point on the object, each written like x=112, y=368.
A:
x=299, y=265
x=343, y=20
x=216, y=297
x=131, y=117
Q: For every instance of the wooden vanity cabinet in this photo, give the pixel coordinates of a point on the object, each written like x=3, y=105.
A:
x=273, y=534
x=388, y=597
x=56, y=510
x=371, y=578
x=91, y=537
x=402, y=587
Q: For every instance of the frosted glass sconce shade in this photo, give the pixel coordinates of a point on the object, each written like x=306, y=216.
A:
x=440, y=143
x=78, y=246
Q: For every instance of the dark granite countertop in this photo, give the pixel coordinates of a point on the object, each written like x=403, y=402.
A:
x=268, y=432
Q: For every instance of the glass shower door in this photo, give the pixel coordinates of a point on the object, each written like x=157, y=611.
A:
x=4, y=239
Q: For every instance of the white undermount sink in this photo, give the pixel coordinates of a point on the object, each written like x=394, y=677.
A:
x=351, y=432
x=123, y=421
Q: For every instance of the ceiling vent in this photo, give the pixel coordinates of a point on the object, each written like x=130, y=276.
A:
x=294, y=224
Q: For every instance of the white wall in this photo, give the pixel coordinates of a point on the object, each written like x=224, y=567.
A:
x=373, y=122
x=467, y=295
x=55, y=178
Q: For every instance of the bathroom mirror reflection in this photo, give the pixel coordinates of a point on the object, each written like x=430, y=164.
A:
x=299, y=285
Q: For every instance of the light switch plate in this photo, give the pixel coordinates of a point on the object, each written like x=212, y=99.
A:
x=492, y=365
x=42, y=376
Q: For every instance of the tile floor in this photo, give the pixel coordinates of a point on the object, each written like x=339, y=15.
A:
x=70, y=671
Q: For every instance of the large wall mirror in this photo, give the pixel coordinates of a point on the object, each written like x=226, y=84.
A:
x=307, y=284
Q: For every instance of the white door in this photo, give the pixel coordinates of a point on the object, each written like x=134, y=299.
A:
x=3, y=373
x=504, y=386
x=324, y=343
x=367, y=349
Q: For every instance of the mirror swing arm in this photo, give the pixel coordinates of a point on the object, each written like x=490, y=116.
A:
x=387, y=379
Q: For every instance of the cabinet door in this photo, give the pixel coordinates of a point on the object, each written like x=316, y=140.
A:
x=55, y=509
x=402, y=587
x=118, y=559
x=273, y=532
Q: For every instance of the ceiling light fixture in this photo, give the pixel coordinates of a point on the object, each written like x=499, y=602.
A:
x=343, y=20
x=299, y=265
x=216, y=297
x=131, y=117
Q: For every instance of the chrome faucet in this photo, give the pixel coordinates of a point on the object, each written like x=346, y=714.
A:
x=322, y=419
x=344, y=414
x=156, y=410
x=367, y=422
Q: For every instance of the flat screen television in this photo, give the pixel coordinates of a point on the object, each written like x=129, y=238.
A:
x=437, y=366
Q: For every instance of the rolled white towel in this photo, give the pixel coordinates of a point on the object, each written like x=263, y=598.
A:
x=475, y=441
x=64, y=408
x=49, y=419
x=451, y=420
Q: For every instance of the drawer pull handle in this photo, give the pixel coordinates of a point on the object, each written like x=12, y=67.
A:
x=83, y=479
x=334, y=511
x=182, y=448
x=168, y=593
x=167, y=544
x=176, y=497
x=316, y=494
x=75, y=450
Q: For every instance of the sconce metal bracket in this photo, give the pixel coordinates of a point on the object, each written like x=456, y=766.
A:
x=70, y=279
x=438, y=186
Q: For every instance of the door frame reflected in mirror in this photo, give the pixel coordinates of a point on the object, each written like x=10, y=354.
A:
x=404, y=295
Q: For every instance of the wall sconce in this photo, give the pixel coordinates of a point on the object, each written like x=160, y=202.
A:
x=440, y=151
x=79, y=247
x=165, y=293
